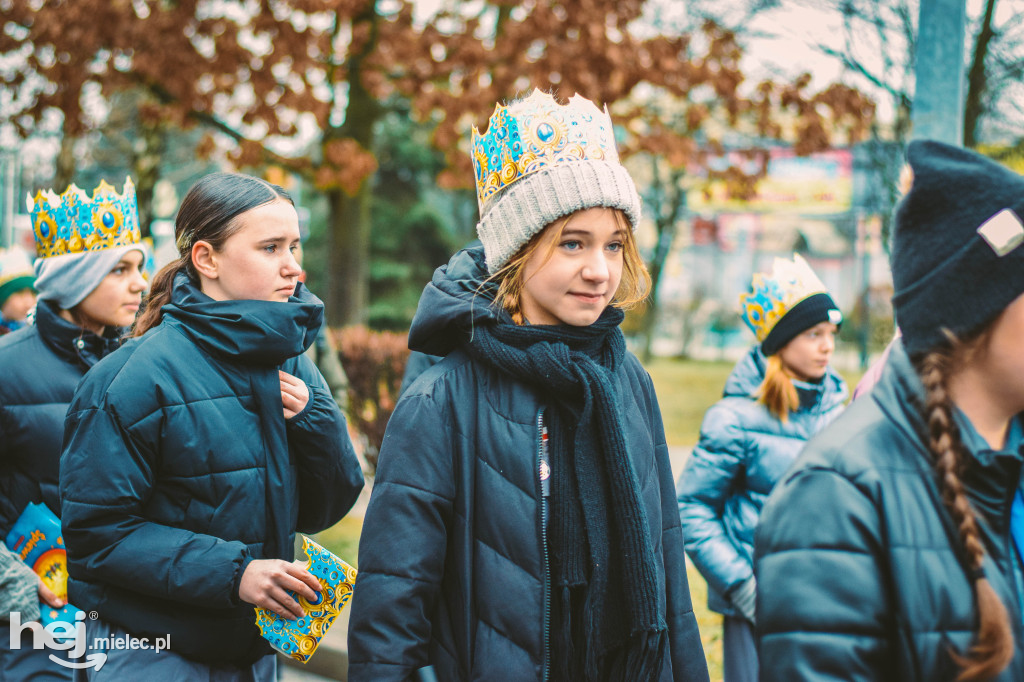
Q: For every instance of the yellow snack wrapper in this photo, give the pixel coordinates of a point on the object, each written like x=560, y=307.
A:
x=300, y=638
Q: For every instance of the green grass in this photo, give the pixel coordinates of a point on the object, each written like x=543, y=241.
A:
x=686, y=389
x=343, y=539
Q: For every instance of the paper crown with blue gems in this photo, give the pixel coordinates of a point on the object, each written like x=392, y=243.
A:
x=73, y=222
x=540, y=161
x=536, y=133
x=774, y=295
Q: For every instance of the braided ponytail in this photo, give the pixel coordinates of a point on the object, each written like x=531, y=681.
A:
x=994, y=646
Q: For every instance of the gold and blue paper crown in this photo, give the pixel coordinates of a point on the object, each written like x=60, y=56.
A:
x=534, y=134
x=300, y=638
x=74, y=223
x=775, y=294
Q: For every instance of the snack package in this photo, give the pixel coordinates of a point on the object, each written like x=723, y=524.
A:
x=36, y=538
x=300, y=638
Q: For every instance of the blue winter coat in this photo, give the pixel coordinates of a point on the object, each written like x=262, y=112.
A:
x=453, y=568
x=743, y=452
x=40, y=366
x=179, y=469
x=861, y=568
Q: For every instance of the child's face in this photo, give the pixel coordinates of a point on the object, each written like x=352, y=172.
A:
x=807, y=355
x=258, y=262
x=115, y=302
x=1001, y=361
x=572, y=280
x=17, y=305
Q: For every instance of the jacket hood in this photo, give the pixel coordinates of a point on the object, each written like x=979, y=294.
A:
x=453, y=302
x=748, y=374
x=255, y=332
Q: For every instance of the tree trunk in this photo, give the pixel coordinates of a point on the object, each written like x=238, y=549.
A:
x=348, y=257
x=65, y=173
x=977, y=77
x=665, y=223
x=146, y=172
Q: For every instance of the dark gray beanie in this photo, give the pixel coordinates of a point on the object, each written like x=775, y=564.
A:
x=957, y=260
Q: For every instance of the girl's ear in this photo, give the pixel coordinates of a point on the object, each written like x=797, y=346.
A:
x=204, y=259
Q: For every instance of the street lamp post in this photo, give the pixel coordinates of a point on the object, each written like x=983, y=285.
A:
x=9, y=160
x=939, y=72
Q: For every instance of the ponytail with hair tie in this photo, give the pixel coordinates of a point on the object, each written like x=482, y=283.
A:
x=159, y=294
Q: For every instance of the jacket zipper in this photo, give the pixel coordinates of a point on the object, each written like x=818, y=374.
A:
x=544, y=545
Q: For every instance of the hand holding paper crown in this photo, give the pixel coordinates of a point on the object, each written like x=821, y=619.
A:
x=300, y=638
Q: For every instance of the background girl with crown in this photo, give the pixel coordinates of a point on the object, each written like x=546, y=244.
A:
x=893, y=549
x=193, y=454
x=778, y=396
x=89, y=277
x=522, y=524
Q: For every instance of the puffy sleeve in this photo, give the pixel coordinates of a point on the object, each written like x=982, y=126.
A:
x=822, y=607
x=403, y=544
x=330, y=476
x=106, y=477
x=705, y=484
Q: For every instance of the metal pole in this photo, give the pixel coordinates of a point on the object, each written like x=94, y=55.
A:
x=10, y=162
x=938, y=112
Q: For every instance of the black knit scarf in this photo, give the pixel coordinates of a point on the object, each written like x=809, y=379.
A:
x=607, y=621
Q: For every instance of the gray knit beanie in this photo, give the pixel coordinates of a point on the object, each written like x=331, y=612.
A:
x=68, y=279
x=540, y=161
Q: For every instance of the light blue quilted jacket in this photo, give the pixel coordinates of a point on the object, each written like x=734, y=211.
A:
x=742, y=453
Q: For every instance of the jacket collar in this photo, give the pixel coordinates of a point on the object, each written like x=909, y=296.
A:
x=71, y=343
x=264, y=333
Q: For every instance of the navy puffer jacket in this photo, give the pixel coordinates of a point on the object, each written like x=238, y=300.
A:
x=179, y=469
x=453, y=567
x=743, y=452
x=861, y=571
x=40, y=367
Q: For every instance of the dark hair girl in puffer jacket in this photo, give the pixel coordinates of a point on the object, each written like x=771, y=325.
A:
x=194, y=452
x=89, y=269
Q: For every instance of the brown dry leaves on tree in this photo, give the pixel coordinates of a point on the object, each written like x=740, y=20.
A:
x=261, y=71
x=674, y=95
x=248, y=70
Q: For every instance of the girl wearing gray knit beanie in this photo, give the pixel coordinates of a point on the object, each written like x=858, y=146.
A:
x=522, y=524
x=893, y=549
x=88, y=273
